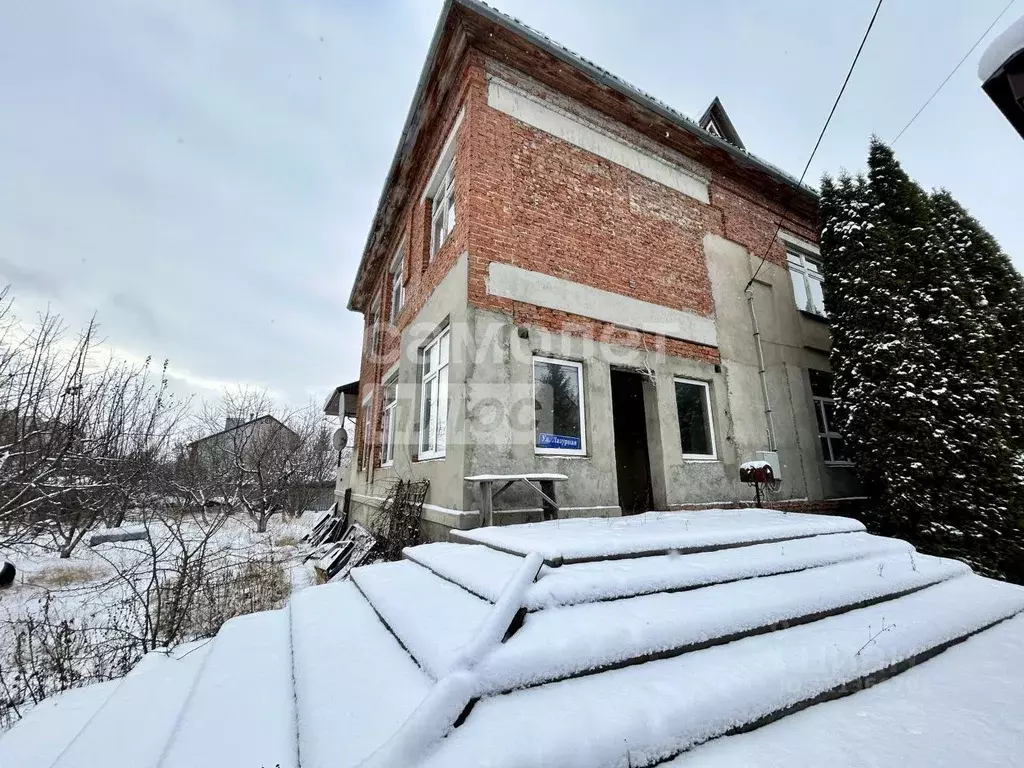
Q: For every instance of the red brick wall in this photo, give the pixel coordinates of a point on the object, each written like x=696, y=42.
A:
x=524, y=197
x=545, y=205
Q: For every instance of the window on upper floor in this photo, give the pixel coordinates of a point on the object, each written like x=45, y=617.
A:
x=560, y=424
x=442, y=210
x=696, y=427
x=805, y=272
x=440, y=190
x=387, y=425
x=396, y=273
x=434, y=397
x=833, y=446
x=374, y=322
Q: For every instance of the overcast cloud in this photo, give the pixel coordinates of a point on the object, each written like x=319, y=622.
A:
x=202, y=173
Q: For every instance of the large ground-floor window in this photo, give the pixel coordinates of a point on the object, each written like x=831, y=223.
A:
x=560, y=425
x=696, y=427
x=434, y=397
x=387, y=426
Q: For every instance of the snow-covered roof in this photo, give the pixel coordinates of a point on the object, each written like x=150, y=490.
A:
x=1001, y=50
x=598, y=642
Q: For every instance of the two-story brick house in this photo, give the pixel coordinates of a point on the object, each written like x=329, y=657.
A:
x=564, y=275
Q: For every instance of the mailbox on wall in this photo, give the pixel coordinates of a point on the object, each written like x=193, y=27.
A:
x=756, y=472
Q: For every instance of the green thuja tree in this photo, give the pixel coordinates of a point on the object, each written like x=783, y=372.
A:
x=981, y=328
x=921, y=304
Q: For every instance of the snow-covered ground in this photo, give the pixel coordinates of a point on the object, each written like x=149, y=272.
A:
x=96, y=590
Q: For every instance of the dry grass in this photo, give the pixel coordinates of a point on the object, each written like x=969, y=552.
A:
x=62, y=576
x=286, y=540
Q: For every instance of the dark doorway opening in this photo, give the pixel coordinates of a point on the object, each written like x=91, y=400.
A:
x=632, y=458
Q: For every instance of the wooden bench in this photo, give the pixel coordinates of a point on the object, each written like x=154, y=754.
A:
x=545, y=489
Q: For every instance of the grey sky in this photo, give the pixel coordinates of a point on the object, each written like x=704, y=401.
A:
x=202, y=173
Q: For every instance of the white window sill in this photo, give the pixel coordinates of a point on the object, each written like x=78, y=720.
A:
x=559, y=455
x=388, y=465
x=701, y=460
x=425, y=458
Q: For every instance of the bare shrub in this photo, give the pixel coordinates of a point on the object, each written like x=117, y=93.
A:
x=396, y=522
x=287, y=540
x=45, y=653
x=260, y=584
x=176, y=586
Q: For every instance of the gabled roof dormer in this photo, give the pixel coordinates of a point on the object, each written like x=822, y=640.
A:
x=716, y=121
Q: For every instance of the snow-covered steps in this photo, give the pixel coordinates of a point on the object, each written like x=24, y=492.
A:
x=466, y=655
x=961, y=708
x=614, y=579
x=226, y=717
x=354, y=684
x=641, y=714
x=43, y=734
x=433, y=618
x=479, y=569
x=557, y=643
x=652, y=533
x=144, y=705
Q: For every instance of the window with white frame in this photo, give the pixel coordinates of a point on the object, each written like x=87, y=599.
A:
x=387, y=422
x=833, y=446
x=442, y=209
x=397, y=275
x=364, y=453
x=805, y=272
x=374, y=327
x=560, y=423
x=696, y=426
x=434, y=397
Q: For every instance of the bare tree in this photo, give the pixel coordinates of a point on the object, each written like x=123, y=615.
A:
x=79, y=431
x=256, y=457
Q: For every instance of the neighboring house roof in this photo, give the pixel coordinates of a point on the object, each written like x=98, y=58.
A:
x=470, y=22
x=267, y=417
x=586, y=642
x=716, y=121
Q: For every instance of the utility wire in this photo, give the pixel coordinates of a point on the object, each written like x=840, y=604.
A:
x=950, y=75
x=820, y=137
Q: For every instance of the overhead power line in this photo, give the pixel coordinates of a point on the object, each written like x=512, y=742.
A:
x=955, y=69
x=820, y=136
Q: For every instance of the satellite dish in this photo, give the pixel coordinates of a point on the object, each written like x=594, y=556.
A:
x=339, y=439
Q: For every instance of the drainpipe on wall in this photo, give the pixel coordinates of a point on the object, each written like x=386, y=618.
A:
x=762, y=373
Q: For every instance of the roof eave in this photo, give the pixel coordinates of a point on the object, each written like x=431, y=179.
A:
x=417, y=97
x=645, y=100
